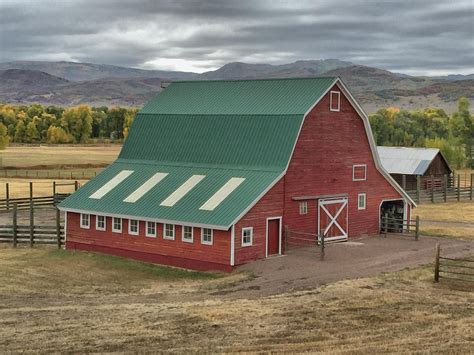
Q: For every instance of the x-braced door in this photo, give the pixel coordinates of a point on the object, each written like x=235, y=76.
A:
x=333, y=218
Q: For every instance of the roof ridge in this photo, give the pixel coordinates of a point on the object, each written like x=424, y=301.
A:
x=256, y=79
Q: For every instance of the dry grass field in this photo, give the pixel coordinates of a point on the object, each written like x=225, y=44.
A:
x=41, y=187
x=58, y=301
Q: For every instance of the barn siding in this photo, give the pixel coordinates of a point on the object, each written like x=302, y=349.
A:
x=173, y=252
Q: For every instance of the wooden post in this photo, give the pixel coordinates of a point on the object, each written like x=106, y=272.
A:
x=418, y=187
x=54, y=188
x=445, y=187
x=472, y=183
x=15, y=225
x=436, y=265
x=76, y=185
x=459, y=187
x=58, y=228
x=286, y=238
x=417, y=228
x=32, y=224
x=321, y=233
x=71, y=175
x=432, y=188
x=385, y=225
x=31, y=191
x=7, y=195
x=404, y=182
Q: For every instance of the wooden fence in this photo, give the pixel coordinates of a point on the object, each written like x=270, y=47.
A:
x=459, y=269
x=451, y=189
x=32, y=234
x=399, y=225
x=295, y=239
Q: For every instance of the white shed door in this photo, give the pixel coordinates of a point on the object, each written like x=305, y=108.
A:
x=333, y=218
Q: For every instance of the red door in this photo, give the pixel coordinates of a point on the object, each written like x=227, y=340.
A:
x=273, y=230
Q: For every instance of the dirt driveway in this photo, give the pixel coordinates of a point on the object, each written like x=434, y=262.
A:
x=362, y=257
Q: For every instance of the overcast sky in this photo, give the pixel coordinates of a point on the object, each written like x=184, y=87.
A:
x=411, y=36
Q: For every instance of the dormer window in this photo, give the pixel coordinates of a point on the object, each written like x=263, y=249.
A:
x=335, y=101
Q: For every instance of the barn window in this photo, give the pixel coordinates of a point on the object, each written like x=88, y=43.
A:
x=117, y=225
x=100, y=223
x=85, y=220
x=335, y=101
x=361, y=201
x=168, y=232
x=133, y=227
x=247, y=236
x=187, y=234
x=304, y=207
x=359, y=172
x=206, y=236
x=150, y=229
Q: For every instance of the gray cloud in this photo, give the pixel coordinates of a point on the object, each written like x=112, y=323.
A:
x=417, y=37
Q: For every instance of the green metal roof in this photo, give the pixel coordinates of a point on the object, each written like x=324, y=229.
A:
x=220, y=129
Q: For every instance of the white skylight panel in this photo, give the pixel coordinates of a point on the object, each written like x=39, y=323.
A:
x=117, y=179
x=147, y=186
x=222, y=194
x=181, y=191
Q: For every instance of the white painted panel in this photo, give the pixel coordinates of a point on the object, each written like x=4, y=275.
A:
x=147, y=186
x=222, y=194
x=117, y=179
x=181, y=191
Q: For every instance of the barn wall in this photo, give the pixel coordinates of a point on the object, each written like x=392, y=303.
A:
x=329, y=144
x=172, y=252
x=271, y=205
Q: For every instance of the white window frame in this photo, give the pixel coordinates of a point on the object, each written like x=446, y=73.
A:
x=137, y=232
x=205, y=242
x=165, y=236
x=182, y=234
x=303, y=207
x=359, y=166
x=97, y=223
x=116, y=230
x=147, y=233
x=364, y=195
x=250, y=243
x=338, y=93
x=88, y=225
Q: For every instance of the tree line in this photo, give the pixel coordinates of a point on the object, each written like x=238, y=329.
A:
x=36, y=123
x=430, y=128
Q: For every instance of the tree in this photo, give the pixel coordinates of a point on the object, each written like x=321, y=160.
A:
x=20, y=132
x=57, y=135
x=78, y=122
x=129, y=117
x=4, y=139
x=32, y=134
x=115, y=122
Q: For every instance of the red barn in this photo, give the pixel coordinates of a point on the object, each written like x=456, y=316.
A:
x=212, y=171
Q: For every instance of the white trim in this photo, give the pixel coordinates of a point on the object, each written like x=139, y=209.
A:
x=65, y=228
x=116, y=230
x=251, y=237
x=182, y=234
x=181, y=191
x=232, y=245
x=354, y=166
x=303, y=207
x=279, y=235
x=362, y=194
x=164, y=231
x=81, y=224
x=405, y=207
x=202, y=237
x=104, y=228
x=150, y=235
x=129, y=227
x=145, y=187
x=329, y=201
x=111, y=184
x=338, y=101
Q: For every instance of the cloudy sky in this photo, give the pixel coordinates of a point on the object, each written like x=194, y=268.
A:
x=411, y=36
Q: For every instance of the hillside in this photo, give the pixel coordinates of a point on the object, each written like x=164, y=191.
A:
x=13, y=80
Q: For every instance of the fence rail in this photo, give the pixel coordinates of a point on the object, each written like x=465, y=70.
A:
x=400, y=225
x=459, y=269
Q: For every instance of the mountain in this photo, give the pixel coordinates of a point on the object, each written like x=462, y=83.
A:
x=68, y=84
x=86, y=71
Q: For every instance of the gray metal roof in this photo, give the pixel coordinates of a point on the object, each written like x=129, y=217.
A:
x=409, y=161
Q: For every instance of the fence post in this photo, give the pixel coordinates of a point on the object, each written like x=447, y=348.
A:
x=58, y=228
x=404, y=182
x=321, y=233
x=432, y=188
x=7, y=195
x=286, y=238
x=459, y=187
x=15, y=225
x=436, y=266
x=76, y=185
x=472, y=182
x=385, y=225
x=418, y=188
x=417, y=228
x=445, y=187
x=32, y=224
x=31, y=192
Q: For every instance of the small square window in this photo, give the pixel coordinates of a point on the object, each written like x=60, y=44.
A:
x=117, y=225
x=304, y=207
x=133, y=227
x=359, y=172
x=85, y=220
x=361, y=201
x=100, y=223
x=206, y=236
x=151, y=229
x=335, y=101
x=187, y=234
x=247, y=236
x=168, y=231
